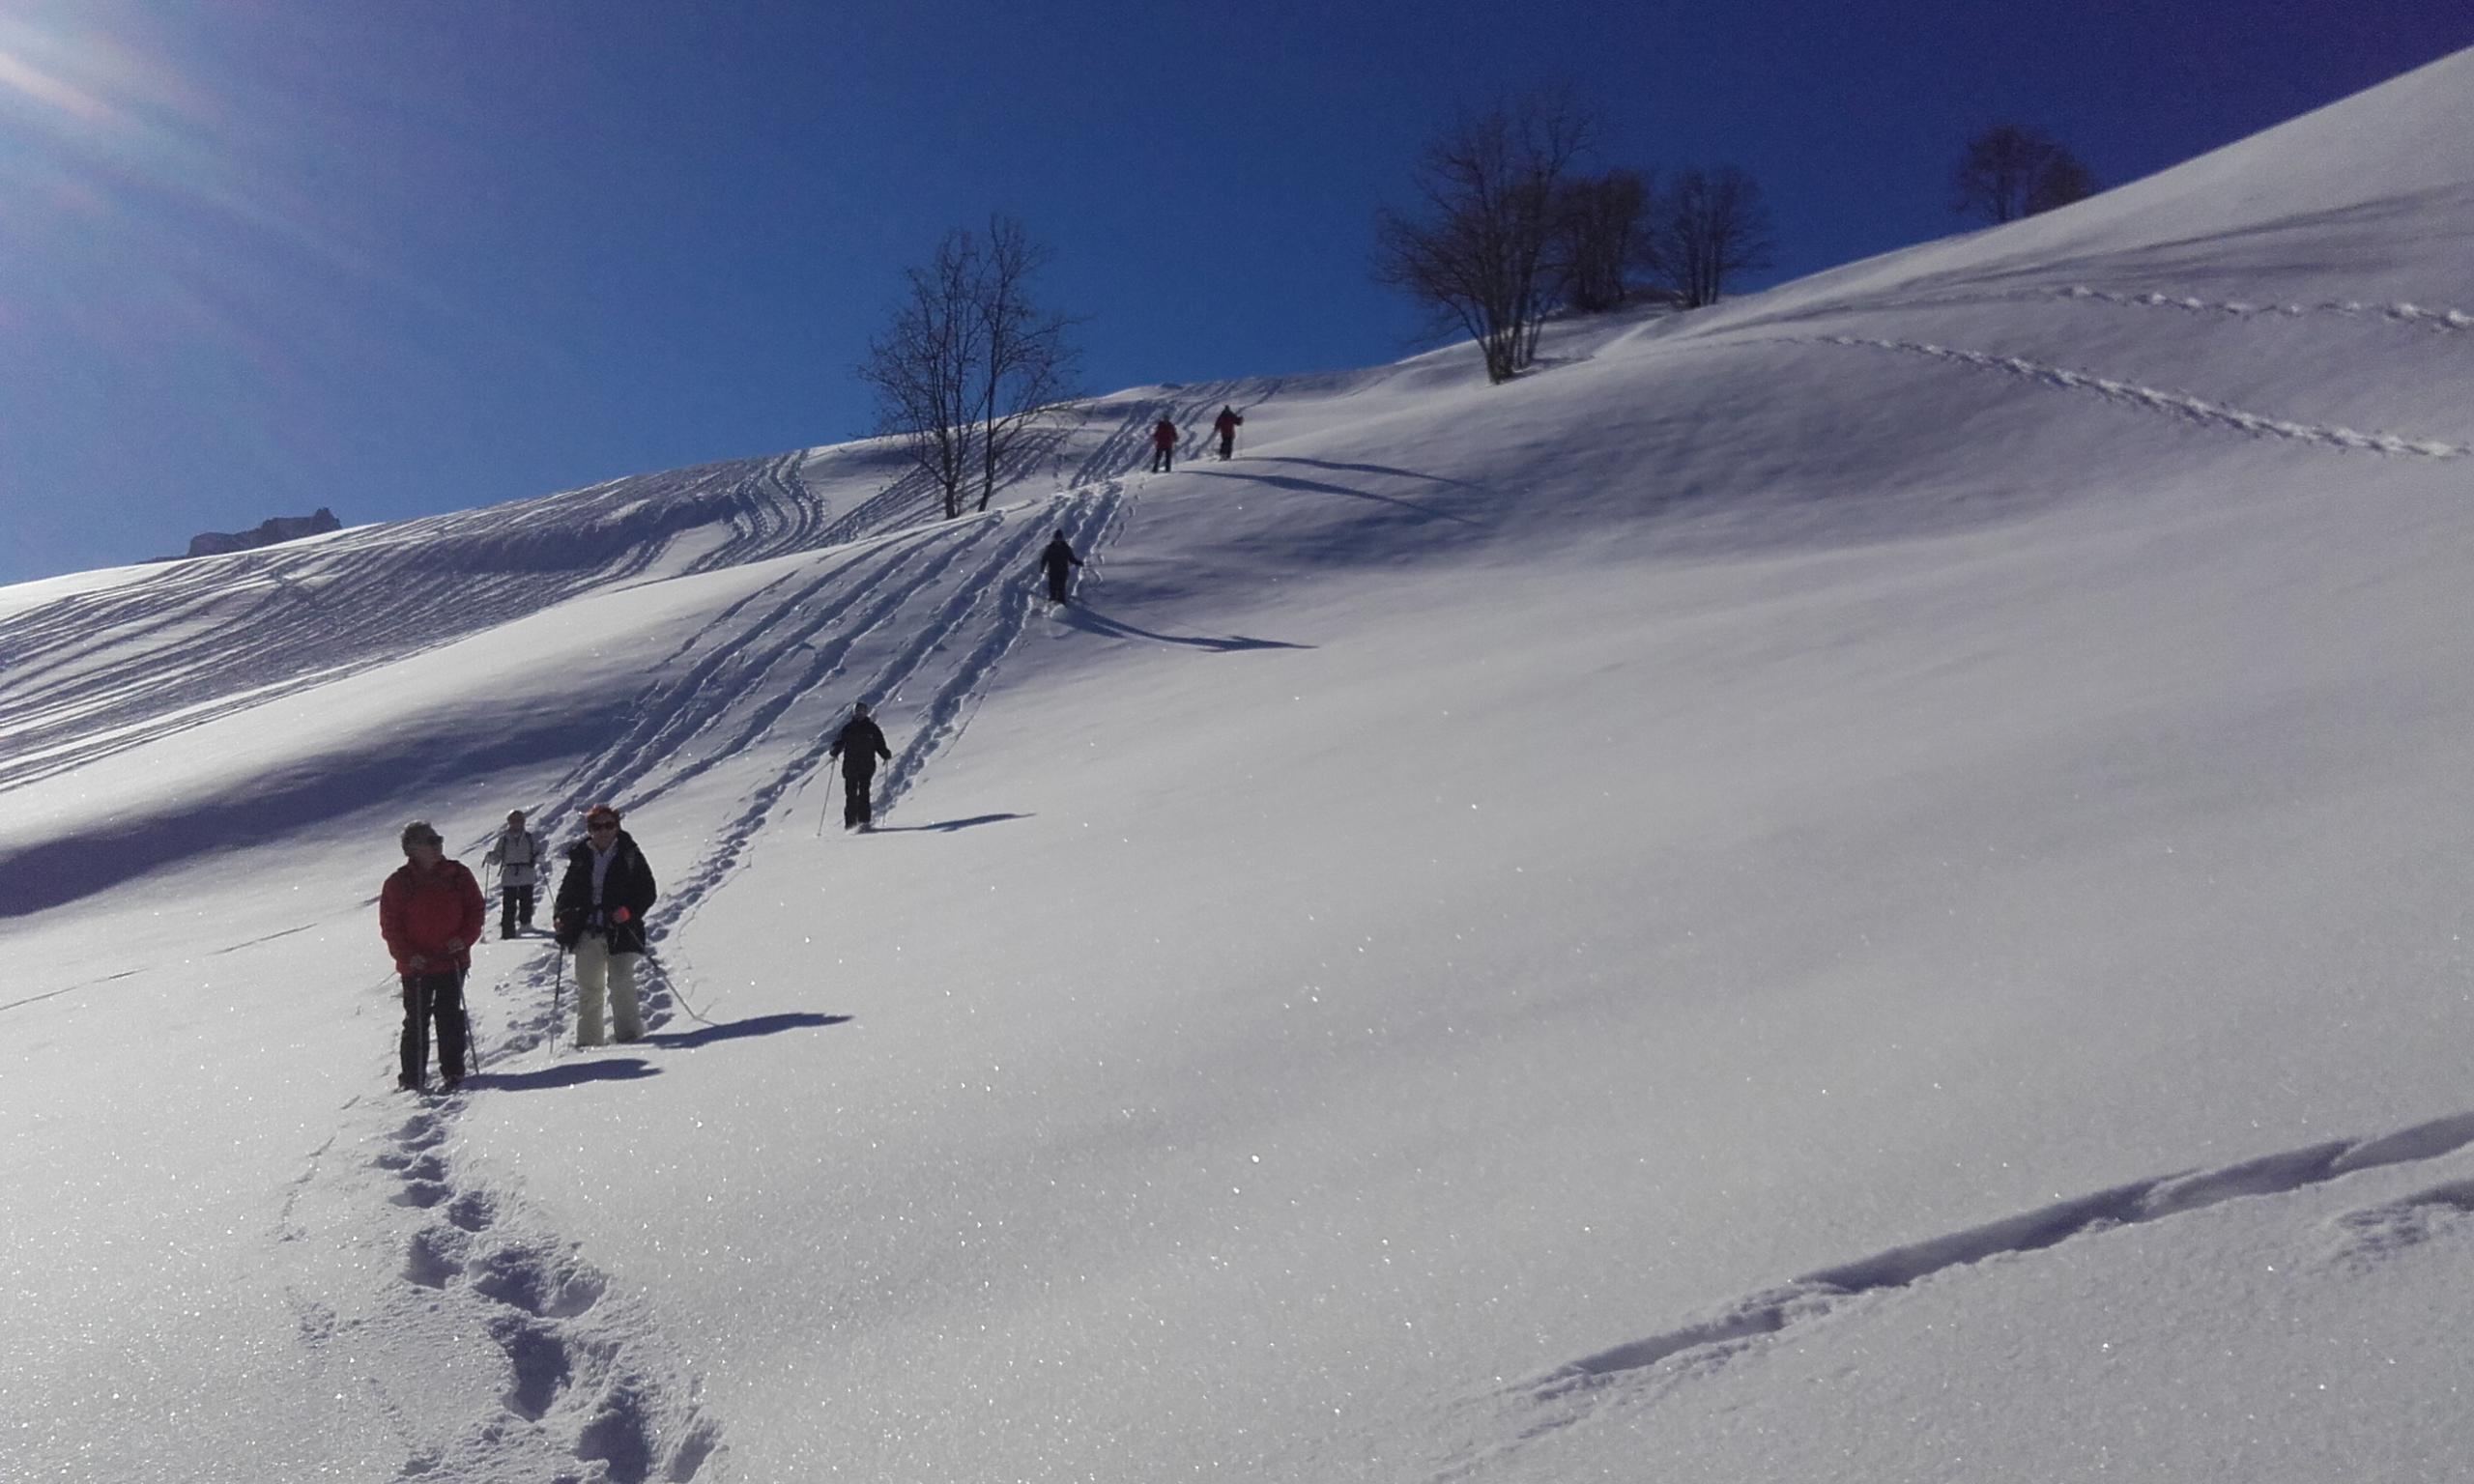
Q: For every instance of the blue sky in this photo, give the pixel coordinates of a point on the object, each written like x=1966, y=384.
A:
x=260, y=256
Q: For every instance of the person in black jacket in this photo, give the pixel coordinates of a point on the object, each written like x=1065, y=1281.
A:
x=858, y=745
x=600, y=915
x=1058, y=557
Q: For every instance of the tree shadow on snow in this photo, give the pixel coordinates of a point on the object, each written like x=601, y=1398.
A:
x=1369, y=468
x=944, y=826
x=1092, y=621
x=736, y=1030
x=1319, y=487
x=575, y=1073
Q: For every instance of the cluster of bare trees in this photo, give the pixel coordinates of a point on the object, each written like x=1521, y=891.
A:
x=2011, y=171
x=971, y=362
x=1508, y=230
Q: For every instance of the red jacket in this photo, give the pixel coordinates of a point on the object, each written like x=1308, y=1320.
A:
x=420, y=911
x=1165, y=435
x=1225, y=423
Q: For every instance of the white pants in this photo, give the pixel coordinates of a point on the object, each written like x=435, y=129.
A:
x=594, y=961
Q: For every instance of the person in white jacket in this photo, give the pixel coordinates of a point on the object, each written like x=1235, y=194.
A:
x=517, y=853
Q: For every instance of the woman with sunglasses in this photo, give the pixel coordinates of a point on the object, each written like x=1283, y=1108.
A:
x=600, y=917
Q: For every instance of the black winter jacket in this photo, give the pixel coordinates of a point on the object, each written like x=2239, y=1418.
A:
x=628, y=884
x=860, y=744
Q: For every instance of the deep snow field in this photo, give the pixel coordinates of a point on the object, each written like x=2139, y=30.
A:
x=1864, y=885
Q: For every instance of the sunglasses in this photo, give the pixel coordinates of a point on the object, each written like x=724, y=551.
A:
x=434, y=843
x=601, y=829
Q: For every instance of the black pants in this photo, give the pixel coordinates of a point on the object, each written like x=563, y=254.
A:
x=1228, y=443
x=515, y=904
x=1057, y=583
x=437, y=997
x=1160, y=460
x=856, y=809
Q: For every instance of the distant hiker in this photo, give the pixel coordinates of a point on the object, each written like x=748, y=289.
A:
x=517, y=854
x=1226, y=425
x=600, y=916
x=1059, y=559
x=1164, y=445
x=430, y=912
x=859, y=744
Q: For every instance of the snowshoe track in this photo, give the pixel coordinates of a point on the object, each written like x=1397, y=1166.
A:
x=587, y=1389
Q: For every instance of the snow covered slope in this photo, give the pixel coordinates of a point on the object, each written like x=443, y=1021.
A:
x=1867, y=884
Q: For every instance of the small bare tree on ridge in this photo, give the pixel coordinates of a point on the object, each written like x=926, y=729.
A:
x=970, y=363
x=2011, y=171
x=1478, y=254
x=1709, y=227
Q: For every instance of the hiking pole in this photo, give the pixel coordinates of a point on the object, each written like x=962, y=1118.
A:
x=558, y=991
x=671, y=985
x=464, y=1010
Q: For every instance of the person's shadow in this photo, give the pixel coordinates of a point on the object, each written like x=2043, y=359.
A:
x=739, y=1030
x=944, y=826
x=1091, y=621
x=570, y=1074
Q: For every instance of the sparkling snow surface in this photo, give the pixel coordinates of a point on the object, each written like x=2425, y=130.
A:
x=1866, y=885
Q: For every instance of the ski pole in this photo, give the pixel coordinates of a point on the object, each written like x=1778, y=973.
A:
x=558, y=992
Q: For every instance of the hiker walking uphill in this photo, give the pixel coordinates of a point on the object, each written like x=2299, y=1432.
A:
x=1059, y=559
x=1226, y=425
x=430, y=912
x=517, y=854
x=1164, y=445
x=600, y=917
x=859, y=744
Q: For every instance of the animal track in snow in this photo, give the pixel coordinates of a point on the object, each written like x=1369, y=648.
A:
x=2364, y=1235
x=2176, y=403
x=2418, y=316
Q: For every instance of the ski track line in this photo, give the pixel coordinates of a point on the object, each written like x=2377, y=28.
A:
x=1002, y=581
x=668, y=711
x=82, y=677
x=941, y=628
x=673, y=715
x=2194, y=409
x=1707, y=1343
x=948, y=710
x=590, y=1389
x=1093, y=515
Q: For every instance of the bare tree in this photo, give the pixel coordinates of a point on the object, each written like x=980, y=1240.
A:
x=971, y=362
x=2063, y=181
x=1710, y=228
x=922, y=368
x=2011, y=171
x=1598, y=238
x=1477, y=254
x=1030, y=361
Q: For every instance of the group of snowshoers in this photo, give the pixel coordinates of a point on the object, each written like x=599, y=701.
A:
x=1164, y=439
x=431, y=911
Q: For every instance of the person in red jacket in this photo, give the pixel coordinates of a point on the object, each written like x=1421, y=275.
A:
x=430, y=912
x=1226, y=425
x=1164, y=445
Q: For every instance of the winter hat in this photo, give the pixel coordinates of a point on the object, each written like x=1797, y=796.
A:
x=515, y=816
x=419, y=832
